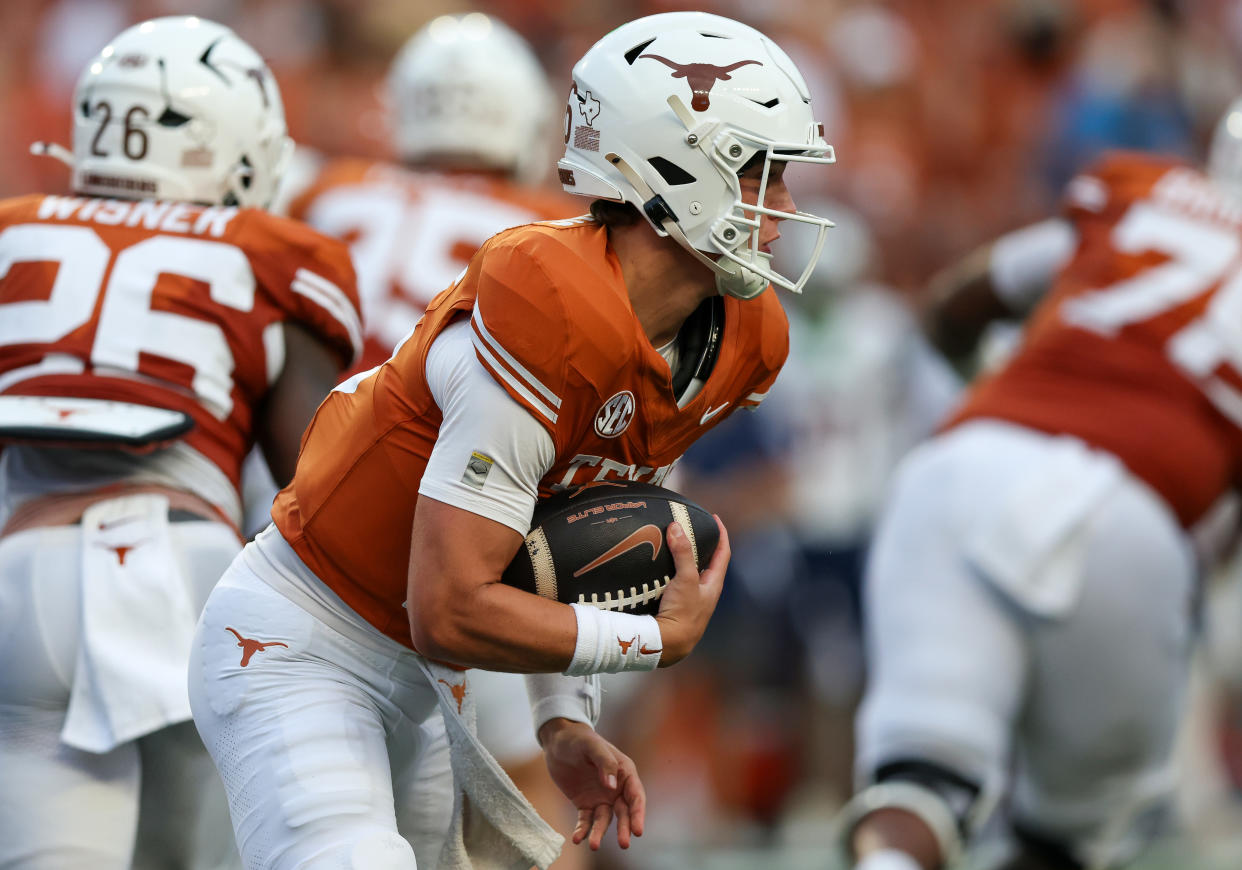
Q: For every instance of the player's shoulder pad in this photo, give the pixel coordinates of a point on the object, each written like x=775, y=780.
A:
x=1116, y=178
x=532, y=287
x=307, y=274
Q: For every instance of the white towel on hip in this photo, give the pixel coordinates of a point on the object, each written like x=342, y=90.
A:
x=137, y=623
x=494, y=827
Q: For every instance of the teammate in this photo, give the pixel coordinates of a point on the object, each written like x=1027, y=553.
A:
x=152, y=326
x=1030, y=591
x=472, y=114
x=568, y=352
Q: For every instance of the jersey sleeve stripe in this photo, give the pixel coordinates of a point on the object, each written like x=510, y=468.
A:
x=480, y=329
x=507, y=378
x=755, y=398
x=333, y=300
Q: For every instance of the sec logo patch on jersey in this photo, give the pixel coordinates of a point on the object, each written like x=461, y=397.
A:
x=615, y=415
x=604, y=544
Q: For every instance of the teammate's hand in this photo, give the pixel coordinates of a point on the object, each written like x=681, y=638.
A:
x=599, y=779
x=690, y=597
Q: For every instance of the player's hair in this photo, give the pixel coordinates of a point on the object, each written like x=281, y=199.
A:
x=614, y=214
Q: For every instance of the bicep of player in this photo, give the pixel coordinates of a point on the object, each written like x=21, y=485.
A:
x=309, y=372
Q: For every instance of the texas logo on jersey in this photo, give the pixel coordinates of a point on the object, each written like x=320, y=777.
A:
x=165, y=304
x=1138, y=350
x=411, y=233
x=552, y=323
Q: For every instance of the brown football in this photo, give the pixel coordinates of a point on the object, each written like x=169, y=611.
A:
x=604, y=544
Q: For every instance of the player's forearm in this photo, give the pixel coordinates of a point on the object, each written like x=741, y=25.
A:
x=496, y=627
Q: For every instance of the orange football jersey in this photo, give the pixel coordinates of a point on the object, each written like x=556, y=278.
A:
x=1138, y=350
x=167, y=304
x=411, y=233
x=553, y=325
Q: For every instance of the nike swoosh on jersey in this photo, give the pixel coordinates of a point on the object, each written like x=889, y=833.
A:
x=648, y=534
x=712, y=412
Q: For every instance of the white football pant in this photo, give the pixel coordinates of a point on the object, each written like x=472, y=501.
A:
x=153, y=802
x=1029, y=601
x=325, y=732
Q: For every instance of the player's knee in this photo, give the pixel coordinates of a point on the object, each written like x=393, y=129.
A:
x=944, y=801
x=382, y=850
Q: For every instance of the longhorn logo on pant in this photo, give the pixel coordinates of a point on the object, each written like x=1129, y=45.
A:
x=701, y=76
x=250, y=647
x=458, y=691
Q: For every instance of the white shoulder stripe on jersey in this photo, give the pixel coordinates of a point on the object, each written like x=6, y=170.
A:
x=530, y=380
x=505, y=375
x=331, y=299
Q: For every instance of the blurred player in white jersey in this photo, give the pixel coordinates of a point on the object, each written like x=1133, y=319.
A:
x=153, y=326
x=472, y=114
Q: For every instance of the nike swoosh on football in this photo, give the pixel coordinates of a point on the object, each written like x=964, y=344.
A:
x=648, y=534
x=712, y=413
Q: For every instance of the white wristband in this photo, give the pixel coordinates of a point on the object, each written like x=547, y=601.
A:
x=555, y=696
x=609, y=642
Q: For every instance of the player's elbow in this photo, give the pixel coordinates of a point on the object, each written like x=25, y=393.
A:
x=438, y=632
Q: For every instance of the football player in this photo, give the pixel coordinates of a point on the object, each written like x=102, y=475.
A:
x=1030, y=594
x=153, y=325
x=569, y=351
x=471, y=116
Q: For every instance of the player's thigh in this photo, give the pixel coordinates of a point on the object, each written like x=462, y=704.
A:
x=1108, y=679
x=423, y=787
x=40, y=599
x=62, y=808
x=183, y=819
x=297, y=734
x=946, y=653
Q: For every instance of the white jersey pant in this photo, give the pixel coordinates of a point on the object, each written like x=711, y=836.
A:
x=1028, y=610
x=325, y=732
x=153, y=801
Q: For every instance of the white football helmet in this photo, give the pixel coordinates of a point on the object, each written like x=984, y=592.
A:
x=467, y=90
x=663, y=113
x=179, y=108
x=1224, y=163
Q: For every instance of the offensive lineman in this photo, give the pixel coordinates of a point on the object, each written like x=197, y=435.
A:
x=569, y=351
x=152, y=327
x=1031, y=587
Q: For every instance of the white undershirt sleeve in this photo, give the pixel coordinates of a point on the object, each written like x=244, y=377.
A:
x=1025, y=261
x=490, y=453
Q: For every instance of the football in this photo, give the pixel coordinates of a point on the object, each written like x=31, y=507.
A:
x=604, y=544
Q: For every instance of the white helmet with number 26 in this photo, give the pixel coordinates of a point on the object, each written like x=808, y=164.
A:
x=179, y=108
x=665, y=111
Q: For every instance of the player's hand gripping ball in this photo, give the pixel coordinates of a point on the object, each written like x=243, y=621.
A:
x=604, y=544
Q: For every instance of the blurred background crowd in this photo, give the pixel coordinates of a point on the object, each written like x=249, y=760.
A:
x=953, y=120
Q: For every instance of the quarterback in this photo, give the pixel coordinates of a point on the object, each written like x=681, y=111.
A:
x=471, y=113
x=153, y=325
x=567, y=352
x=1030, y=593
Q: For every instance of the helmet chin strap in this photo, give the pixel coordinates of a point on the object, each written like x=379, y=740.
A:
x=732, y=279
